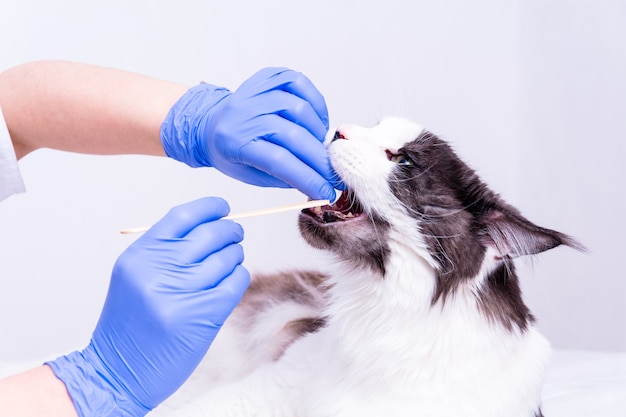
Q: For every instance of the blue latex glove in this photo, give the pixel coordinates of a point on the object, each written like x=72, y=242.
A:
x=269, y=132
x=170, y=293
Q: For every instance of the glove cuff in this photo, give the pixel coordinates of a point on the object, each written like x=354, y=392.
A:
x=91, y=389
x=179, y=130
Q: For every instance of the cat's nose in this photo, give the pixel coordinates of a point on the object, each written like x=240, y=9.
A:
x=338, y=135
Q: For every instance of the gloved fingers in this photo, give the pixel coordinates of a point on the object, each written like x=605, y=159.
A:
x=282, y=164
x=181, y=219
x=219, y=301
x=251, y=175
x=296, y=140
x=303, y=87
x=290, y=81
x=207, y=239
x=291, y=108
x=210, y=272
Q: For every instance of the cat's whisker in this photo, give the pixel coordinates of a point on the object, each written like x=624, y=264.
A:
x=442, y=236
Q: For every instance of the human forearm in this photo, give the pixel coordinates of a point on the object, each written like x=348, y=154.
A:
x=85, y=108
x=268, y=132
x=35, y=393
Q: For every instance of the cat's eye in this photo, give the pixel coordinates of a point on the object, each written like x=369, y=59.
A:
x=400, y=159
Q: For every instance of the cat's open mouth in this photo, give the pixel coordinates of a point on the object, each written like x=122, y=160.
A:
x=347, y=207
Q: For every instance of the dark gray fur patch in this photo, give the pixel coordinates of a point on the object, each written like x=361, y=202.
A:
x=267, y=292
x=303, y=287
x=460, y=217
x=362, y=243
x=501, y=298
x=293, y=330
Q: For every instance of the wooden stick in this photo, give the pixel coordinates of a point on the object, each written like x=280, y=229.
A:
x=254, y=213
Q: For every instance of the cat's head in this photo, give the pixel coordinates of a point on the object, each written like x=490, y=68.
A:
x=407, y=186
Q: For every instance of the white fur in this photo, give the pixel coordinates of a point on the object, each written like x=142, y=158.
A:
x=386, y=350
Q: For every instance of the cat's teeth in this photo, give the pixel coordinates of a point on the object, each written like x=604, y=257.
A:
x=350, y=214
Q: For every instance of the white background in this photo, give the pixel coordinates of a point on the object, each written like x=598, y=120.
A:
x=532, y=94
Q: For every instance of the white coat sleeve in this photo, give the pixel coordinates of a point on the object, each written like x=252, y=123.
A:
x=10, y=177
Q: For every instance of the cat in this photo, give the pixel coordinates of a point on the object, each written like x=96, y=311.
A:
x=422, y=315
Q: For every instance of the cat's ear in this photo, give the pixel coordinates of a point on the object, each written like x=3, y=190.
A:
x=513, y=236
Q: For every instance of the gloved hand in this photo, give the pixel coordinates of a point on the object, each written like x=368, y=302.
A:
x=269, y=132
x=170, y=293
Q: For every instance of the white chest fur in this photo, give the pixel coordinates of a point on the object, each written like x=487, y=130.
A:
x=387, y=352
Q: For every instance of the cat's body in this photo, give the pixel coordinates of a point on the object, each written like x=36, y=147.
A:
x=422, y=315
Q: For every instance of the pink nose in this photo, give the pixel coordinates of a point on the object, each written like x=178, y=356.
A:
x=339, y=135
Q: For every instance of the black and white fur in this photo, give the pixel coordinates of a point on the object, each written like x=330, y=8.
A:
x=423, y=315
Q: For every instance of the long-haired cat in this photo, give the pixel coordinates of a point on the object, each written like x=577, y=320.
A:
x=422, y=316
